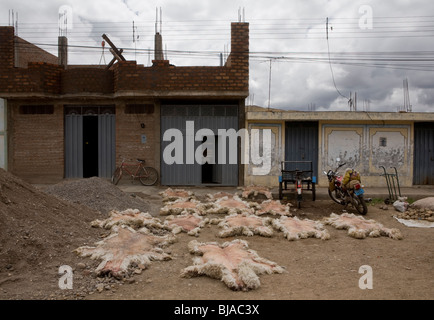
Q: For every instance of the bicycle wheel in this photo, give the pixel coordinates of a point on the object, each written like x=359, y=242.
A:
x=148, y=176
x=117, y=175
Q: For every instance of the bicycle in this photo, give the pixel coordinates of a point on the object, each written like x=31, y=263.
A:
x=148, y=176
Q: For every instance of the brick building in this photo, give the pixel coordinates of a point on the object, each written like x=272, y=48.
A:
x=80, y=121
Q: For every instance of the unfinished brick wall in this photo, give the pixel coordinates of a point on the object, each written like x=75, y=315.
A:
x=87, y=80
x=49, y=78
x=26, y=52
x=45, y=76
x=162, y=76
x=36, y=141
x=39, y=77
x=129, y=136
x=7, y=48
x=36, y=150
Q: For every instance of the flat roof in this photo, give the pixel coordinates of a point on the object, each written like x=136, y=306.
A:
x=259, y=113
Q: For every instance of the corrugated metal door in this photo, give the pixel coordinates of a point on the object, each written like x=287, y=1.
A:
x=301, y=143
x=423, y=173
x=73, y=146
x=106, y=145
x=74, y=140
x=179, y=174
x=213, y=117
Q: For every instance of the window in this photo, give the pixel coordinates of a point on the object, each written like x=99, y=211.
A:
x=139, y=109
x=199, y=110
x=383, y=142
x=89, y=110
x=36, y=109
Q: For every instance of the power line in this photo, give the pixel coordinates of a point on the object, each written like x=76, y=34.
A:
x=330, y=63
x=418, y=61
x=281, y=29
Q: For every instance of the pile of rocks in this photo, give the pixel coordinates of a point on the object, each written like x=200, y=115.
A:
x=422, y=209
x=86, y=282
x=417, y=214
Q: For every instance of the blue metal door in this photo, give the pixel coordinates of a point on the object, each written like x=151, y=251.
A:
x=301, y=143
x=423, y=173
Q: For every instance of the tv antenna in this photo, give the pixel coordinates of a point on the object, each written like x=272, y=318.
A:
x=269, y=78
x=135, y=40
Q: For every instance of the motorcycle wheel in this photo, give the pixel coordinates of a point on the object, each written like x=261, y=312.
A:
x=335, y=196
x=360, y=205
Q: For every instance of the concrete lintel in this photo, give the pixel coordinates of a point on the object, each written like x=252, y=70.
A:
x=130, y=94
x=43, y=96
x=283, y=115
x=182, y=94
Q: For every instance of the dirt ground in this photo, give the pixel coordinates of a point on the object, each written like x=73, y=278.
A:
x=39, y=231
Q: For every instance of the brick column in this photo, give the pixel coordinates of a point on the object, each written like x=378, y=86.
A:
x=239, y=58
x=7, y=47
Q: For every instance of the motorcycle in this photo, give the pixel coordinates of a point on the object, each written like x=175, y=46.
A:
x=343, y=196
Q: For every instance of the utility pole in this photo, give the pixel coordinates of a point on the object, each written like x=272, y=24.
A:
x=269, y=80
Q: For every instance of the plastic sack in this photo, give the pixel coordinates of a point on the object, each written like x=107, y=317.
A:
x=400, y=205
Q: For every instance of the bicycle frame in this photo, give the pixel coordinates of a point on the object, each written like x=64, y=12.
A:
x=125, y=166
x=147, y=175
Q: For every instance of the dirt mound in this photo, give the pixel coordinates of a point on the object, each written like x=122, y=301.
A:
x=38, y=232
x=96, y=193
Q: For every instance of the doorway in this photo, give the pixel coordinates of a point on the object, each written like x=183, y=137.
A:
x=211, y=172
x=219, y=116
x=423, y=163
x=301, y=143
x=90, y=146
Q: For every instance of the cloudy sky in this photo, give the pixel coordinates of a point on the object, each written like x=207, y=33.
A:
x=304, y=54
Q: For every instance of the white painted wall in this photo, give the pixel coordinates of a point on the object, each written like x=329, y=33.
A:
x=359, y=145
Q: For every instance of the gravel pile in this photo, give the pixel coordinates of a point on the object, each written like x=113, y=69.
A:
x=96, y=193
x=38, y=232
